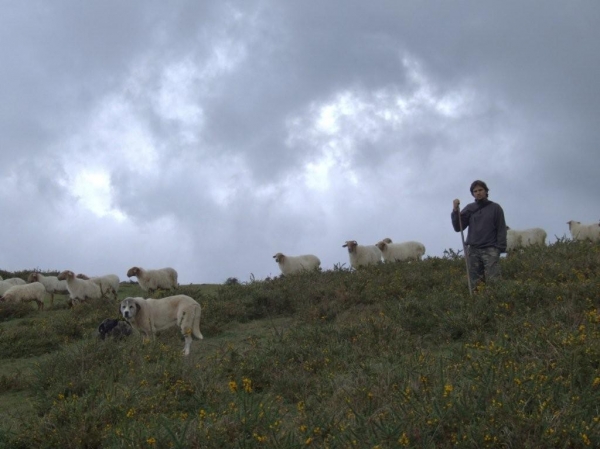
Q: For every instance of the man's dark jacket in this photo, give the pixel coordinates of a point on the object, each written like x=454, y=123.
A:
x=485, y=221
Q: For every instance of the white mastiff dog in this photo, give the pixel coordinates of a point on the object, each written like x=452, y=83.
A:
x=152, y=315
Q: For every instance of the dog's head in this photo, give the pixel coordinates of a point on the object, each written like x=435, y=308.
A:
x=129, y=308
x=114, y=328
x=106, y=327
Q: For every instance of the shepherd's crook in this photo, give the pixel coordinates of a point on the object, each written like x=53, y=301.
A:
x=462, y=237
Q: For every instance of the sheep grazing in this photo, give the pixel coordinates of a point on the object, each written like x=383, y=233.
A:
x=4, y=286
x=26, y=293
x=108, y=283
x=151, y=280
x=584, y=231
x=296, y=264
x=392, y=252
x=8, y=283
x=51, y=283
x=80, y=289
x=15, y=281
x=526, y=237
x=361, y=255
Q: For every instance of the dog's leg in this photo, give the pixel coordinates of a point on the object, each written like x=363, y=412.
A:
x=188, y=342
x=187, y=334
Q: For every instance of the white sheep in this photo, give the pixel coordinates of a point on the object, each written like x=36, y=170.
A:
x=8, y=283
x=150, y=280
x=51, y=283
x=109, y=283
x=295, y=264
x=520, y=239
x=361, y=255
x=26, y=293
x=584, y=231
x=4, y=286
x=15, y=281
x=80, y=289
x=392, y=252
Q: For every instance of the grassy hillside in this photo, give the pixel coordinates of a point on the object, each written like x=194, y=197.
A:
x=395, y=355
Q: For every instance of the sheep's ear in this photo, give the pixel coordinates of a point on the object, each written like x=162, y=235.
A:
x=137, y=306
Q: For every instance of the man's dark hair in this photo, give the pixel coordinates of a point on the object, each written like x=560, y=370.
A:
x=480, y=184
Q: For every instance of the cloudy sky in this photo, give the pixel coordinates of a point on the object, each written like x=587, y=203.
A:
x=208, y=136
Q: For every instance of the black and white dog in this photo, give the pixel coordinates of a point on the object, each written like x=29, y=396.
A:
x=116, y=329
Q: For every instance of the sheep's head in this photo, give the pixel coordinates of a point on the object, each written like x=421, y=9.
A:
x=573, y=222
x=279, y=257
x=83, y=276
x=387, y=240
x=351, y=244
x=381, y=245
x=33, y=277
x=133, y=271
x=67, y=274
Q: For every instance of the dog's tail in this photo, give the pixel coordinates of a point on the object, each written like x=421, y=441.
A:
x=196, y=323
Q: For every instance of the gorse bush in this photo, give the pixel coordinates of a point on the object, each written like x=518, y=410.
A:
x=394, y=355
x=10, y=311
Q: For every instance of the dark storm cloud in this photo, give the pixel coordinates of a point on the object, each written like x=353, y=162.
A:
x=210, y=135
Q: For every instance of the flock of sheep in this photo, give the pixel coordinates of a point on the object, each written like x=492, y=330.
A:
x=386, y=251
x=360, y=255
x=80, y=287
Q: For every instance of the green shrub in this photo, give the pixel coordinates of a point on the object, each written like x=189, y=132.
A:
x=394, y=355
x=10, y=310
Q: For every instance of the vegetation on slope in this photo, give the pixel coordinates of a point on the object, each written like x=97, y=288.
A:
x=395, y=355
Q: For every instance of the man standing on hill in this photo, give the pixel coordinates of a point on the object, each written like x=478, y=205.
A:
x=486, y=239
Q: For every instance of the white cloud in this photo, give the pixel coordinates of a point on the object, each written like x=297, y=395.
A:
x=92, y=188
x=208, y=136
